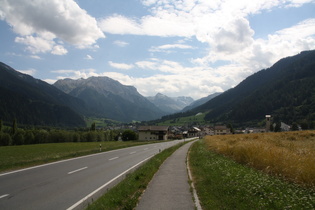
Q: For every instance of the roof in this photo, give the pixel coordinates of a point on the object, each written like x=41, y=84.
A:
x=153, y=128
x=220, y=127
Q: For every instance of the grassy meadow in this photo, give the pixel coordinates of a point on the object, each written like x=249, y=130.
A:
x=255, y=171
x=15, y=157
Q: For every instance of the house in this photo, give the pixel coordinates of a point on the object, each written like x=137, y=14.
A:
x=147, y=133
x=194, y=132
x=221, y=130
x=208, y=131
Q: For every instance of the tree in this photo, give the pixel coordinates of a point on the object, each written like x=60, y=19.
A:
x=129, y=135
x=277, y=127
x=93, y=127
x=1, y=125
x=14, y=127
x=295, y=127
x=5, y=139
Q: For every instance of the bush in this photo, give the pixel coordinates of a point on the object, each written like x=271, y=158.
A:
x=129, y=135
x=5, y=139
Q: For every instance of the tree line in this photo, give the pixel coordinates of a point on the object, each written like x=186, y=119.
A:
x=12, y=135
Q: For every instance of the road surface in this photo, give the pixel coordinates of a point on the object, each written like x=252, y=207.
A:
x=73, y=183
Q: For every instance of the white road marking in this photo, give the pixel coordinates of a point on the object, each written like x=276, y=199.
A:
x=107, y=183
x=60, y=161
x=80, y=169
x=132, y=153
x=3, y=196
x=113, y=158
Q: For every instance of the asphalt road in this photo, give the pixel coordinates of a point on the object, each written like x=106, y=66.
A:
x=73, y=183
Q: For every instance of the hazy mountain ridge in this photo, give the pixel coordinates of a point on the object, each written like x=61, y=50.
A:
x=200, y=101
x=170, y=104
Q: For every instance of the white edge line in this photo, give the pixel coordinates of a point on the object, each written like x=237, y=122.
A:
x=107, y=183
x=3, y=196
x=61, y=161
x=80, y=169
x=114, y=158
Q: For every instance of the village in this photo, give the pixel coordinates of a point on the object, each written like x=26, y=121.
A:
x=163, y=132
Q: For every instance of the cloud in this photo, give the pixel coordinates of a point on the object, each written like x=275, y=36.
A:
x=88, y=57
x=120, y=43
x=74, y=74
x=31, y=72
x=59, y=50
x=39, y=23
x=123, y=66
x=168, y=47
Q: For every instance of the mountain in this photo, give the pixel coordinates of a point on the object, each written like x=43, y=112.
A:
x=34, y=102
x=108, y=98
x=200, y=101
x=170, y=104
x=286, y=91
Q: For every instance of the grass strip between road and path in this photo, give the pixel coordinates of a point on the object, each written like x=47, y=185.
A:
x=17, y=157
x=125, y=195
x=221, y=183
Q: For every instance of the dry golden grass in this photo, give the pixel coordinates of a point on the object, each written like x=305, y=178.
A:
x=290, y=155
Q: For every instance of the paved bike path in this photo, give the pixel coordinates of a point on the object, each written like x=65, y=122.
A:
x=169, y=188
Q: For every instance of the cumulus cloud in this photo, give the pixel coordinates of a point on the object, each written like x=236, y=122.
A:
x=39, y=23
x=223, y=25
x=122, y=66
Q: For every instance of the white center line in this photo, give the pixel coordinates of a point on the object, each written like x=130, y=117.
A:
x=132, y=153
x=80, y=169
x=113, y=158
x=3, y=196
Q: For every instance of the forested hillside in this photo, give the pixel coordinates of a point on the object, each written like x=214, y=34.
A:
x=286, y=91
x=34, y=102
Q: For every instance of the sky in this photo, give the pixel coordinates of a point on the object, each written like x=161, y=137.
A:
x=174, y=47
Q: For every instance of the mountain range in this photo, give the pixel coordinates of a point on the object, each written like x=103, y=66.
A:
x=170, y=104
x=107, y=98
x=286, y=90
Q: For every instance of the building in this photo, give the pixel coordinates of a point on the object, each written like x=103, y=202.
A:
x=194, y=132
x=147, y=133
x=268, y=122
x=221, y=130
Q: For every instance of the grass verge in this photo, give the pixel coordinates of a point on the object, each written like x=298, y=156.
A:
x=16, y=157
x=125, y=195
x=222, y=183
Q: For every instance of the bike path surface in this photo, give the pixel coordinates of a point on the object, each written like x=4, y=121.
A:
x=169, y=188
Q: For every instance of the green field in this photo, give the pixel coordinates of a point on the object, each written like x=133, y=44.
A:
x=197, y=119
x=15, y=157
